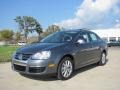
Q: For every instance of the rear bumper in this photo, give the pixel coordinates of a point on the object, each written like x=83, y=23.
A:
x=33, y=67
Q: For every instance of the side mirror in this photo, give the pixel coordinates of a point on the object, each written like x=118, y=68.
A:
x=80, y=41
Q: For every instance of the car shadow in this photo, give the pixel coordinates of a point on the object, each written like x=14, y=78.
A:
x=41, y=77
x=86, y=68
x=53, y=76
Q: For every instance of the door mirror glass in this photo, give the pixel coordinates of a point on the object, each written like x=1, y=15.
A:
x=80, y=41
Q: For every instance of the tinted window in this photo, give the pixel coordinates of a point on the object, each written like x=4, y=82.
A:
x=59, y=37
x=84, y=37
x=93, y=37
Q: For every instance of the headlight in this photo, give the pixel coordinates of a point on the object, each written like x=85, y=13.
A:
x=41, y=55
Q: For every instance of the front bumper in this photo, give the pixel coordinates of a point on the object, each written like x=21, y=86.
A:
x=33, y=67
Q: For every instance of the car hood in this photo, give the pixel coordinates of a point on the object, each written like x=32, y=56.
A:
x=33, y=48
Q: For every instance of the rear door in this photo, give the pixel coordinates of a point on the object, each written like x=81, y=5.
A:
x=95, y=49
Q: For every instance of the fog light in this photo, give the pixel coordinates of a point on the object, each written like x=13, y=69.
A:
x=51, y=65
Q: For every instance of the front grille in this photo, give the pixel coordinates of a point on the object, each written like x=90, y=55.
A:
x=24, y=57
x=19, y=68
x=36, y=69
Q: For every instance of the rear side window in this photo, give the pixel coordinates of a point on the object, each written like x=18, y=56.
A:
x=93, y=37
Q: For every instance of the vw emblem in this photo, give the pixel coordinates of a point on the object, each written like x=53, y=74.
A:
x=20, y=56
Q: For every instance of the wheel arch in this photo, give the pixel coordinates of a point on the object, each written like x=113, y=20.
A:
x=68, y=55
x=104, y=51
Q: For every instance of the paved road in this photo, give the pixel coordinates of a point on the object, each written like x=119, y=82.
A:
x=89, y=78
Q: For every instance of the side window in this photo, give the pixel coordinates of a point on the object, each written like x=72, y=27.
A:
x=93, y=37
x=84, y=37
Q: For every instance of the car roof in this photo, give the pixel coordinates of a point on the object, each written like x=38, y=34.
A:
x=76, y=30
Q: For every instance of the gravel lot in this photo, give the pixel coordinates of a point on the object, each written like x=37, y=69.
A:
x=89, y=78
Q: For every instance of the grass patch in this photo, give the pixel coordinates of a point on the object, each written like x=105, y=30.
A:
x=6, y=53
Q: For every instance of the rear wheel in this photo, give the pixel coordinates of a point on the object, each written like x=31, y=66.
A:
x=65, y=69
x=103, y=59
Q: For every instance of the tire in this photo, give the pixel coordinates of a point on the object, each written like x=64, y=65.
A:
x=65, y=69
x=103, y=59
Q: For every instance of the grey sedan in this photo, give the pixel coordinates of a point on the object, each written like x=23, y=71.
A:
x=60, y=53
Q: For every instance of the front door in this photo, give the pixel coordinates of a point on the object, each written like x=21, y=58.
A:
x=83, y=50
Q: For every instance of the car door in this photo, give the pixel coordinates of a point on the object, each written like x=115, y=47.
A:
x=95, y=49
x=83, y=50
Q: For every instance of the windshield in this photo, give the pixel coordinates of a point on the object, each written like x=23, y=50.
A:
x=59, y=37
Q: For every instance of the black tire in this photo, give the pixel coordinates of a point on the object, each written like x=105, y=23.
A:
x=61, y=69
x=103, y=59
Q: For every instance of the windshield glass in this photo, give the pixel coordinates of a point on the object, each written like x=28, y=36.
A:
x=59, y=37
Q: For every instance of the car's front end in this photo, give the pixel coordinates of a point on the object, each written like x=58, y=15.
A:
x=43, y=57
x=36, y=64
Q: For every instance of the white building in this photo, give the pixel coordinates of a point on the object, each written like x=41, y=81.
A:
x=109, y=35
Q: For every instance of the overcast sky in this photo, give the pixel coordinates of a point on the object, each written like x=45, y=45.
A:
x=66, y=13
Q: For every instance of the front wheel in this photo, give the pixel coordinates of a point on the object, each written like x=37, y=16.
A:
x=103, y=59
x=65, y=69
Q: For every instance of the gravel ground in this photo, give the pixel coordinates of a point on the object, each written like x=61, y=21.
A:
x=92, y=77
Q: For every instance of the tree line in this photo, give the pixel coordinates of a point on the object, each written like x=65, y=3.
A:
x=27, y=25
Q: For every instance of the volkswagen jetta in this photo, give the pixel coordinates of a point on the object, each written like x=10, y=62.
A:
x=61, y=53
